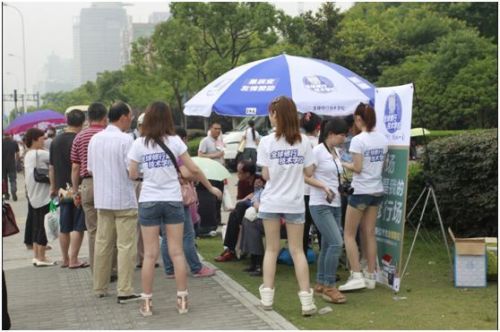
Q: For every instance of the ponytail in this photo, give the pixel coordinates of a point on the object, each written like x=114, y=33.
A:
x=251, y=124
x=367, y=114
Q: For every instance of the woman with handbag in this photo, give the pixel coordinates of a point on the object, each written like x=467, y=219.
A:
x=161, y=201
x=190, y=217
x=36, y=168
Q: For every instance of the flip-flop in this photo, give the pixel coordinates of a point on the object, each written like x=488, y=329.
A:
x=82, y=265
x=63, y=266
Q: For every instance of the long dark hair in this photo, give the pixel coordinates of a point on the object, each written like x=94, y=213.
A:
x=251, y=124
x=158, y=122
x=287, y=121
x=336, y=125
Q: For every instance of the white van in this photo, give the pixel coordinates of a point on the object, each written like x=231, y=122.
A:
x=233, y=138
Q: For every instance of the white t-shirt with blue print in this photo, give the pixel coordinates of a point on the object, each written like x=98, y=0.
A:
x=373, y=147
x=284, y=191
x=160, y=179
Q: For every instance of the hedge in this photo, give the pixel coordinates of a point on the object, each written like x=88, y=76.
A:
x=193, y=145
x=464, y=170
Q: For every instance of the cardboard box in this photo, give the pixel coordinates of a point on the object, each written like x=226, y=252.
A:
x=470, y=261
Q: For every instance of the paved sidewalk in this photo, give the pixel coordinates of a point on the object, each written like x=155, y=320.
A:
x=57, y=298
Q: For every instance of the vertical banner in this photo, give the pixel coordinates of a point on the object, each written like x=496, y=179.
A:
x=393, y=107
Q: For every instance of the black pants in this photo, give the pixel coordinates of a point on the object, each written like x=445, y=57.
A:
x=28, y=229
x=208, y=208
x=5, y=311
x=218, y=203
x=38, y=229
x=234, y=224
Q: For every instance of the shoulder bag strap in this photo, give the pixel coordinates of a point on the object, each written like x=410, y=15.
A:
x=336, y=166
x=169, y=153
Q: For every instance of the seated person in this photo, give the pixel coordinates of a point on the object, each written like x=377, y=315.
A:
x=252, y=231
x=246, y=176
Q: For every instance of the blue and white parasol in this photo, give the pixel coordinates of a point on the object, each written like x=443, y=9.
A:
x=315, y=85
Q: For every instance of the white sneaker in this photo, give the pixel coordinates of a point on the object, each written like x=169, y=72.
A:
x=307, y=302
x=370, y=279
x=355, y=281
x=266, y=297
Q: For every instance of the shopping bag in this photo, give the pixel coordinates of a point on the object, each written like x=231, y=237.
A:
x=250, y=214
x=51, y=221
x=227, y=201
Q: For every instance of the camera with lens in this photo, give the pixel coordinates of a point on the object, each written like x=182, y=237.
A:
x=346, y=189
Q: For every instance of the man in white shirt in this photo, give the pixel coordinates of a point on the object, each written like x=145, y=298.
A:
x=211, y=146
x=116, y=203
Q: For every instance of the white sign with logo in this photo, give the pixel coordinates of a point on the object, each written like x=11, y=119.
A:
x=394, y=110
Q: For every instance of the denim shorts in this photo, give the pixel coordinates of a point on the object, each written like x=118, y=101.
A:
x=290, y=218
x=71, y=218
x=362, y=201
x=160, y=213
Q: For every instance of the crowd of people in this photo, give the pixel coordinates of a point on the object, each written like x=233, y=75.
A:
x=305, y=180
x=126, y=191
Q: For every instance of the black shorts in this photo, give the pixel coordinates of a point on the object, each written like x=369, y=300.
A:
x=71, y=218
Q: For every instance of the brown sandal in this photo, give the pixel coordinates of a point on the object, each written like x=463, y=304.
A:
x=333, y=295
x=318, y=289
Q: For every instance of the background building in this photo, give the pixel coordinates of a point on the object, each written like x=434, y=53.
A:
x=59, y=75
x=104, y=33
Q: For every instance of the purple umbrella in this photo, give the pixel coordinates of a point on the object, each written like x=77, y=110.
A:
x=39, y=119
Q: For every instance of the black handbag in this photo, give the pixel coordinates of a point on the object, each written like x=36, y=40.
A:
x=41, y=175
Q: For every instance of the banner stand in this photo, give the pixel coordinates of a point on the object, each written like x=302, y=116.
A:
x=429, y=188
x=393, y=107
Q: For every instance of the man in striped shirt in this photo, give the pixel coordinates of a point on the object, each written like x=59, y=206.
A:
x=79, y=174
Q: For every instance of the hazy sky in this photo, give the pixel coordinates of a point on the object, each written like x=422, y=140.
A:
x=48, y=29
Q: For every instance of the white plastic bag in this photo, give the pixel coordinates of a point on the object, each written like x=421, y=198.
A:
x=250, y=214
x=51, y=222
x=227, y=201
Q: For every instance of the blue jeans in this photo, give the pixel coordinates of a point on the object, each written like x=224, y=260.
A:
x=189, y=247
x=327, y=219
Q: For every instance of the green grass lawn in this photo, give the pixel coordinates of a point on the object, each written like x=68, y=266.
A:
x=432, y=302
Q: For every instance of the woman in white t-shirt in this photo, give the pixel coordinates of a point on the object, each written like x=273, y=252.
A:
x=368, y=150
x=285, y=157
x=325, y=207
x=160, y=201
x=38, y=193
x=251, y=138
